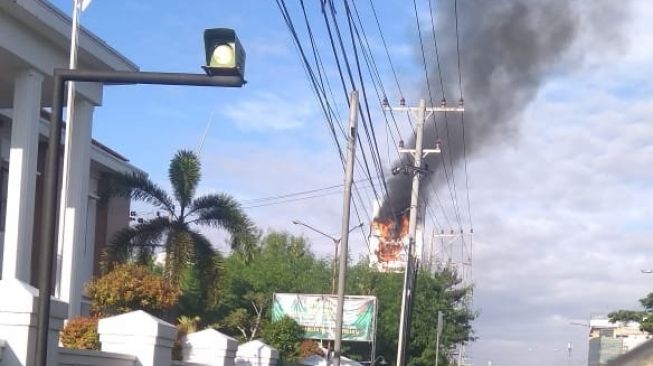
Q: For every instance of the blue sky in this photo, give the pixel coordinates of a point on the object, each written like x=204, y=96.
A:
x=562, y=206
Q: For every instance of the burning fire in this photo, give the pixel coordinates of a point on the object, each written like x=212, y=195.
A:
x=391, y=233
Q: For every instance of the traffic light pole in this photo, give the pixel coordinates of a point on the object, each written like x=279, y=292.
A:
x=346, y=208
x=421, y=114
x=49, y=233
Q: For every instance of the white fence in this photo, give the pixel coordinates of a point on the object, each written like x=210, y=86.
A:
x=79, y=357
x=132, y=339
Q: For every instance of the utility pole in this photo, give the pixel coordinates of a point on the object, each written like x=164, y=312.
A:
x=461, y=260
x=421, y=114
x=346, y=208
x=438, y=332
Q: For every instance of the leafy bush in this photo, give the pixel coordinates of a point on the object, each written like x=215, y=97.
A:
x=81, y=333
x=286, y=336
x=310, y=347
x=131, y=287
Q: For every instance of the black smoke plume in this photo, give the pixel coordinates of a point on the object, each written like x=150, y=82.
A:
x=509, y=49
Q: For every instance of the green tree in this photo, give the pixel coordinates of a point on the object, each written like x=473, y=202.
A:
x=643, y=317
x=242, y=320
x=434, y=292
x=284, y=263
x=280, y=263
x=286, y=336
x=176, y=229
x=439, y=292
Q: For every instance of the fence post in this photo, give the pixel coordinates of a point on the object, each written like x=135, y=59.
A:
x=210, y=347
x=138, y=334
x=256, y=353
x=18, y=318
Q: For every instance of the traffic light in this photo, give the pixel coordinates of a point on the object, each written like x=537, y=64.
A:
x=225, y=55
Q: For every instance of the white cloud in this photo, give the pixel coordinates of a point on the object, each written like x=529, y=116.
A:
x=271, y=112
x=563, y=218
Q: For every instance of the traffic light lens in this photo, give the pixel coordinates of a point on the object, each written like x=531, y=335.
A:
x=223, y=55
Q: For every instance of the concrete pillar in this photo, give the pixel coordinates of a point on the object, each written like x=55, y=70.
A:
x=210, y=347
x=18, y=318
x=138, y=334
x=72, y=227
x=23, y=156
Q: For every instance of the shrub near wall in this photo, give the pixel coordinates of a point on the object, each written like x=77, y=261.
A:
x=126, y=288
x=81, y=333
x=130, y=287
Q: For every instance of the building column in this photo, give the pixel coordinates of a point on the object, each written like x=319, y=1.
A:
x=72, y=227
x=23, y=156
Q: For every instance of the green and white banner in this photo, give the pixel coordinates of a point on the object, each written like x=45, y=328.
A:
x=317, y=315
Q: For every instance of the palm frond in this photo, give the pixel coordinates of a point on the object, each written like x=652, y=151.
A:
x=135, y=243
x=136, y=186
x=219, y=210
x=184, y=173
x=212, y=201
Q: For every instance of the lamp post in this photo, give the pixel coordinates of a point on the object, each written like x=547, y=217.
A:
x=224, y=68
x=336, y=244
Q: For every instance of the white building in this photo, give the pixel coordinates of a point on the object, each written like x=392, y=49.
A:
x=34, y=40
x=608, y=340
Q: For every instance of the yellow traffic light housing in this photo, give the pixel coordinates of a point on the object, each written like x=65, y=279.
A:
x=225, y=55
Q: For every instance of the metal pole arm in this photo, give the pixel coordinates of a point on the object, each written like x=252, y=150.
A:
x=152, y=78
x=49, y=231
x=297, y=222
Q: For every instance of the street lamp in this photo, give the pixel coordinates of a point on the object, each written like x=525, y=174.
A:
x=223, y=70
x=336, y=244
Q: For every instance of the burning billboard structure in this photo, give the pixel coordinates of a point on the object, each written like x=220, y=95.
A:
x=389, y=240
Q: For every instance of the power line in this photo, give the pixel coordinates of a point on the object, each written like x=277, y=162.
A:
x=371, y=64
x=462, y=116
x=311, y=76
x=295, y=199
x=452, y=192
x=294, y=194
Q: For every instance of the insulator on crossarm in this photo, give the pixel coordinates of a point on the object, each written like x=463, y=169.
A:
x=461, y=102
x=401, y=144
x=385, y=102
x=443, y=102
x=402, y=102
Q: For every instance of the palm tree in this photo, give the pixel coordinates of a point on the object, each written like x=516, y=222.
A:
x=176, y=230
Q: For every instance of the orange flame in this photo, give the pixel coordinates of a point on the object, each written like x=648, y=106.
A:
x=391, y=233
